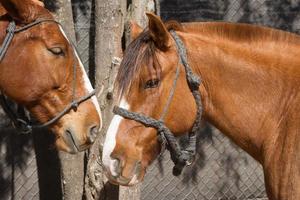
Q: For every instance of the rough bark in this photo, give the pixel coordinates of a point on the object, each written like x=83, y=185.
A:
x=136, y=12
x=72, y=166
x=130, y=193
x=137, y=9
x=109, y=20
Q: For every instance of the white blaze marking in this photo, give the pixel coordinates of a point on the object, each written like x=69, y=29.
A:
x=110, y=141
x=87, y=83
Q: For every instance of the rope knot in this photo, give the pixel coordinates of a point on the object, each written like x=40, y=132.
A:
x=185, y=158
x=194, y=82
x=11, y=27
x=74, y=105
x=159, y=125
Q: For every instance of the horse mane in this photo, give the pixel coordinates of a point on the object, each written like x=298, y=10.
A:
x=140, y=51
x=241, y=32
x=131, y=62
x=174, y=25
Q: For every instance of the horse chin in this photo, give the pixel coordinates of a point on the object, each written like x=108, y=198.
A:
x=125, y=181
x=69, y=146
x=71, y=139
x=62, y=146
x=136, y=177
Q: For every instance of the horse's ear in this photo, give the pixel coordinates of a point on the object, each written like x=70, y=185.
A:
x=158, y=32
x=24, y=11
x=135, y=30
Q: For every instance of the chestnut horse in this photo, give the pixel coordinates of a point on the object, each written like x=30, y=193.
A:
x=41, y=71
x=250, y=91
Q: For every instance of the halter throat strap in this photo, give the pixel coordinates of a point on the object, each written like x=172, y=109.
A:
x=180, y=157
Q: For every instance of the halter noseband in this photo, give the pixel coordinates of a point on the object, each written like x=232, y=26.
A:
x=22, y=123
x=180, y=157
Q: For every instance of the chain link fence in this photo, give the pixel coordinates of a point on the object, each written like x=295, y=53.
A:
x=18, y=170
x=29, y=167
x=83, y=12
x=222, y=170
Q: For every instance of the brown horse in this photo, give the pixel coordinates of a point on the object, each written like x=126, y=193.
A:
x=250, y=91
x=41, y=71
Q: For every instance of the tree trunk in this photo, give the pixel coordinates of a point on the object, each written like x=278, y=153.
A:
x=72, y=166
x=109, y=20
x=138, y=8
x=136, y=12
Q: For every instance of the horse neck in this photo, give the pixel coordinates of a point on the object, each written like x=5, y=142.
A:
x=242, y=94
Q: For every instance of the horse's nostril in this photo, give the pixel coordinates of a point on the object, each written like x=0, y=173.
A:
x=70, y=141
x=93, y=134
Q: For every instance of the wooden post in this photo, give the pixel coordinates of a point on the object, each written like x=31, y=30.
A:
x=109, y=20
x=136, y=12
x=72, y=166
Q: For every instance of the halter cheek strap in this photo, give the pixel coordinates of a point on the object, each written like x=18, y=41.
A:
x=22, y=123
x=10, y=32
x=180, y=157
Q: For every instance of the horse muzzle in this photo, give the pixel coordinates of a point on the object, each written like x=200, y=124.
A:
x=74, y=144
x=114, y=173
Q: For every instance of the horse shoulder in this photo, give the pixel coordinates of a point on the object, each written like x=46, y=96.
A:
x=282, y=157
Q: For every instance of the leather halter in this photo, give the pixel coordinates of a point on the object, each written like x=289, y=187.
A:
x=180, y=157
x=22, y=123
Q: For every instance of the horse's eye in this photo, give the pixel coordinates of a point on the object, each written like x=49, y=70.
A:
x=57, y=51
x=153, y=83
x=55, y=87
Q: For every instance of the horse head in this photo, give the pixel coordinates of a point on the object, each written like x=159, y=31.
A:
x=144, y=82
x=41, y=70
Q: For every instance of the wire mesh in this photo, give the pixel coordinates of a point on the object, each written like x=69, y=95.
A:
x=222, y=171
x=18, y=170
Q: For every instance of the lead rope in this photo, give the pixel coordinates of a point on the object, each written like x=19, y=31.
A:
x=194, y=82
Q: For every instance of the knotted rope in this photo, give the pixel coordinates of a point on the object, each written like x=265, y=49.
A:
x=180, y=157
